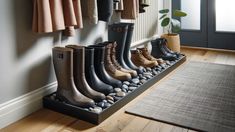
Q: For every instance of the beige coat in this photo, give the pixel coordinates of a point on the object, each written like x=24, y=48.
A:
x=90, y=11
x=54, y=15
x=131, y=9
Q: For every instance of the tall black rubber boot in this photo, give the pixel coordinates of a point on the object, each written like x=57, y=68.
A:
x=92, y=79
x=118, y=32
x=126, y=53
x=100, y=69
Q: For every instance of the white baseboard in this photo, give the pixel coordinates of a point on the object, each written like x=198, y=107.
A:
x=16, y=109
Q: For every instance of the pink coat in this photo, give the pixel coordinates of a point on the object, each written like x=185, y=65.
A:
x=55, y=15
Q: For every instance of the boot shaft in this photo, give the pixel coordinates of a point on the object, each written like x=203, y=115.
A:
x=118, y=32
x=78, y=60
x=63, y=65
x=156, y=47
x=99, y=52
x=89, y=57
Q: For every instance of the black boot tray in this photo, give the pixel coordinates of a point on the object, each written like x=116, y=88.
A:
x=95, y=118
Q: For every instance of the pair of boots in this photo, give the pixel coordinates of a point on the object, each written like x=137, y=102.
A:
x=70, y=73
x=113, y=67
x=141, y=57
x=160, y=50
x=122, y=33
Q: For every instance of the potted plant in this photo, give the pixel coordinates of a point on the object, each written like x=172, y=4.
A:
x=173, y=27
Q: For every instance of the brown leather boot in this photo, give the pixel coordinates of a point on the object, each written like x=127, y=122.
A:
x=79, y=74
x=148, y=56
x=117, y=65
x=66, y=90
x=111, y=69
x=139, y=60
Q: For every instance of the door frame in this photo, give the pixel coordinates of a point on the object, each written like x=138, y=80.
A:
x=199, y=37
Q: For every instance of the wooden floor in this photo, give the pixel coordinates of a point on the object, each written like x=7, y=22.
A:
x=49, y=121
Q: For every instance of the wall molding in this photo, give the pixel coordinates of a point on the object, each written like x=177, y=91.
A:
x=16, y=109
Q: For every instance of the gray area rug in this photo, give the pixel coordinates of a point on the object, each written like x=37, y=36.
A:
x=199, y=96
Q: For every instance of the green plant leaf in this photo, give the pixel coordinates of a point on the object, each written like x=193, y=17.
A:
x=175, y=25
x=164, y=11
x=162, y=16
x=165, y=22
x=179, y=13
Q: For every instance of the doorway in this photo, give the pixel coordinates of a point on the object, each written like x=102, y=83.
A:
x=209, y=23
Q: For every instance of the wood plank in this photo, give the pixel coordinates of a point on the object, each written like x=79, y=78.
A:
x=36, y=122
x=153, y=126
x=60, y=124
x=136, y=125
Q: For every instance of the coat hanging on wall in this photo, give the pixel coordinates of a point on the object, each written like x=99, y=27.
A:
x=55, y=15
x=105, y=10
x=131, y=9
x=90, y=11
x=118, y=5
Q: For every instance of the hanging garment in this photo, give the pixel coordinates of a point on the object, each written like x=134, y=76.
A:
x=142, y=5
x=118, y=5
x=90, y=11
x=131, y=9
x=105, y=10
x=55, y=15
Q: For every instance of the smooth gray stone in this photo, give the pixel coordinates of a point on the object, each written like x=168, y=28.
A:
x=124, y=90
x=135, y=80
x=133, y=85
x=143, y=81
x=148, y=69
x=143, y=78
x=97, y=109
x=148, y=77
x=90, y=108
x=132, y=88
x=118, y=89
x=147, y=74
x=140, y=75
x=106, y=105
x=101, y=104
x=154, y=72
x=121, y=94
x=144, y=70
x=112, y=94
x=117, y=98
x=163, y=66
x=86, y=109
x=111, y=101
x=126, y=83
x=124, y=87
x=168, y=63
x=105, y=101
x=109, y=98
